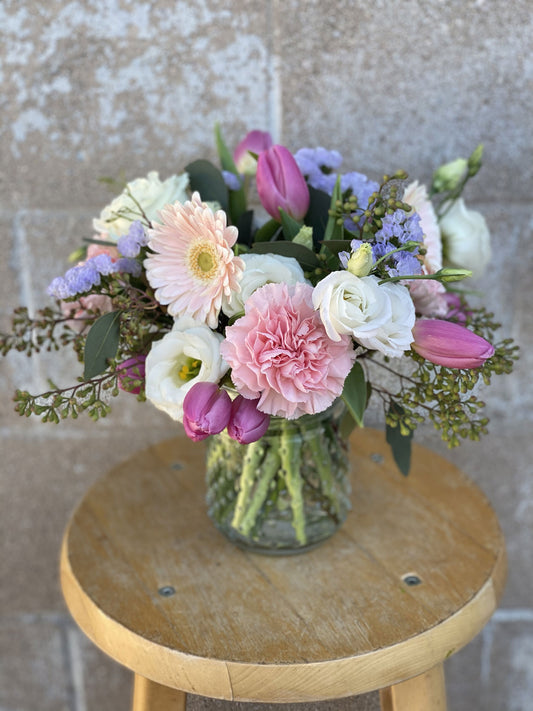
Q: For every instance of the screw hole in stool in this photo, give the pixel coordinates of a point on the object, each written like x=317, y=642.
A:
x=411, y=579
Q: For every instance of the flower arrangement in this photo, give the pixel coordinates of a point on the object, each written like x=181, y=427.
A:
x=184, y=298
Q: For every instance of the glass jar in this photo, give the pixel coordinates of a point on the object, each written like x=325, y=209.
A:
x=286, y=492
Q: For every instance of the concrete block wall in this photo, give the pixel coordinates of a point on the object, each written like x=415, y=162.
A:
x=94, y=88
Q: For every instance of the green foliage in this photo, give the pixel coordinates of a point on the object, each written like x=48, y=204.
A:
x=208, y=181
x=354, y=392
x=101, y=344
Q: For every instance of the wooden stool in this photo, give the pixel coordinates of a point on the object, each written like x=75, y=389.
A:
x=414, y=574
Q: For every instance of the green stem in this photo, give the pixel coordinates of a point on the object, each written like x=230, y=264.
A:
x=290, y=451
x=269, y=470
x=252, y=461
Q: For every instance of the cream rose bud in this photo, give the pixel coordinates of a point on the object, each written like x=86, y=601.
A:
x=396, y=335
x=466, y=238
x=150, y=193
x=261, y=269
x=188, y=354
x=352, y=305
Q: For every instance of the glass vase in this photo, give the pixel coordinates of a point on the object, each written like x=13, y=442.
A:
x=285, y=493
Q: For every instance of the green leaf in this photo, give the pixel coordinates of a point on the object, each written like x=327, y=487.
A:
x=400, y=444
x=244, y=226
x=317, y=214
x=267, y=231
x=101, y=344
x=333, y=230
x=290, y=226
x=307, y=259
x=237, y=198
x=208, y=180
x=354, y=392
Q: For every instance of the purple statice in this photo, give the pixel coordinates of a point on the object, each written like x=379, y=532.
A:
x=129, y=245
x=125, y=265
x=360, y=185
x=406, y=264
x=316, y=160
x=400, y=226
x=103, y=264
x=77, y=280
x=232, y=181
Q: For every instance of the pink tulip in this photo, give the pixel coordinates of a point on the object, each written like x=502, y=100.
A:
x=247, y=424
x=450, y=344
x=131, y=369
x=206, y=410
x=280, y=184
x=256, y=142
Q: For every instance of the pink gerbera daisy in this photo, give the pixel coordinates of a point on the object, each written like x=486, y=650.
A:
x=194, y=268
x=279, y=352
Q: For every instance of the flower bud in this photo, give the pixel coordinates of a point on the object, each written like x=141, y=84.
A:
x=305, y=237
x=247, y=424
x=449, y=344
x=448, y=274
x=474, y=162
x=206, y=410
x=280, y=184
x=131, y=370
x=361, y=261
x=256, y=142
x=450, y=175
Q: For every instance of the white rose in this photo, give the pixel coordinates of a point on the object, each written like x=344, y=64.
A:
x=261, y=269
x=188, y=354
x=395, y=336
x=466, y=238
x=351, y=305
x=151, y=193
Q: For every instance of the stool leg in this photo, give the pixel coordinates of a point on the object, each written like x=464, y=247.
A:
x=421, y=693
x=150, y=696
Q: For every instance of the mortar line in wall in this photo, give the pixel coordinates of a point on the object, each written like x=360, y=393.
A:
x=73, y=669
x=513, y=615
x=487, y=637
x=274, y=75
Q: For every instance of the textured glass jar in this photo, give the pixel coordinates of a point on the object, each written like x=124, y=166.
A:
x=285, y=493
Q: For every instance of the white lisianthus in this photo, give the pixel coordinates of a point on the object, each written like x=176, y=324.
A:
x=395, y=336
x=188, y=354
x=150, y=193
x=466, y=238
x=261, y=269
x=352, y=305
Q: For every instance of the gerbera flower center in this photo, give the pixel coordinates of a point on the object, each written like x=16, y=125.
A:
x=203, y=260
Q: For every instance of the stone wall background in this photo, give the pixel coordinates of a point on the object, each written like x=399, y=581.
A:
x=95, y=87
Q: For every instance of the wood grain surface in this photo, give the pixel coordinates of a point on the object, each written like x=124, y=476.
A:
x=332, y=622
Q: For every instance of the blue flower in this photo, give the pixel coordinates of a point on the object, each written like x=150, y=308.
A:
x=129, y=245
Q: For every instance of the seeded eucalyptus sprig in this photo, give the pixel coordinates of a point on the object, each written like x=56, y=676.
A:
x=445, y=396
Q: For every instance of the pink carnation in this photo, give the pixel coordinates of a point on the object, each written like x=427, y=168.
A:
x=280, y=353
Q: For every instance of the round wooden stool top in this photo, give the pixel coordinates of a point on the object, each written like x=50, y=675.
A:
x=151, y=581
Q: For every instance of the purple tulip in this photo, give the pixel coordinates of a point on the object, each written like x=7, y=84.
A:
x=131, y=369
x=206, y=410
x=280, y=184
x=256, y=142
x=449, y=344
x=247, y=424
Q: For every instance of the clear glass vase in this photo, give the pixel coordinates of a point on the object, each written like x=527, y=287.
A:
x=285, y=493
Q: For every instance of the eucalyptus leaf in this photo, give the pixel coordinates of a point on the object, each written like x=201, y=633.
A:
x=244, y=226
x=267, y=232
x=307, y=259
x=354, y=392
x=400, y=444
x=317, y=214
x=101, y=344
x=208, y=181
x=290, y=226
